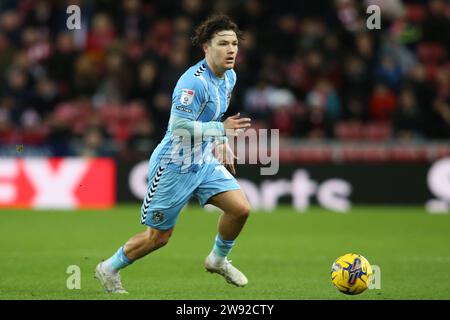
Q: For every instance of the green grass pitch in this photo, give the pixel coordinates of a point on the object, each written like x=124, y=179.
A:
x=285, y=254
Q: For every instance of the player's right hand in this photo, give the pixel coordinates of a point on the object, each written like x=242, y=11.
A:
x=225, y=156
x=233, y=125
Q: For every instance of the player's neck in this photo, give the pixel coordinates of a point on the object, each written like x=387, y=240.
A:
x=217, y=72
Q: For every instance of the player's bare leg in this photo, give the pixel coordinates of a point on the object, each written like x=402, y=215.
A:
x=236, y=210
x=145, y=242
x=138, y=246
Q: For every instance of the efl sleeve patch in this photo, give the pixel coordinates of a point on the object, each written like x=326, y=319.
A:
x=183, y=109
x=187, y=96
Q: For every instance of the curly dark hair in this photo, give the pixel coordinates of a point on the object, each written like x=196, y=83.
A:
x=207, y=29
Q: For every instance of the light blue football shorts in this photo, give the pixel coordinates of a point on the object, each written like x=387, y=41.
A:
x=169, y=190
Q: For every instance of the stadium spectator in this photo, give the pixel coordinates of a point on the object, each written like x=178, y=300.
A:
x=92, y=145
x=324, y=96
x=61, y=64
x=257, y=101
x=408, y=120
x=436, y=22
x=147, y=84
x=136, y=49
x=382, y=103
x=389, y=72
x=441, y=119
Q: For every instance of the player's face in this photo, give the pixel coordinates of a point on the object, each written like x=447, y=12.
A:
x=221, y=51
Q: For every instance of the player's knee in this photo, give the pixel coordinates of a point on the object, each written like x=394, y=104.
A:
x=158, y=239
x=161, y=242
x=243, y=210
x=163, y=238
x=246, y=210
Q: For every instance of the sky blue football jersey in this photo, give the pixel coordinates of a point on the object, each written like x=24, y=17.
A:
x=199, y=95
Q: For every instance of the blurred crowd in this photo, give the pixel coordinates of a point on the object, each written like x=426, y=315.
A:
x=312, y=69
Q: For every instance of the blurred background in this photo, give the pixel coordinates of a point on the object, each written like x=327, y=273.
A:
x=338, y=92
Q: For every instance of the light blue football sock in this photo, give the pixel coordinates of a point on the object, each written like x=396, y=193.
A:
x=222, y=247
x=118, y=261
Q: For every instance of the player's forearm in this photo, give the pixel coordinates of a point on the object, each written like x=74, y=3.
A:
x=198, y=128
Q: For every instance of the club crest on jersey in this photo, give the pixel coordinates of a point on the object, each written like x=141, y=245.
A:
x=187, y=96
x=158, y=217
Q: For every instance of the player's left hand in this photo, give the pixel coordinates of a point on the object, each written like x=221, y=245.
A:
x=226, y=156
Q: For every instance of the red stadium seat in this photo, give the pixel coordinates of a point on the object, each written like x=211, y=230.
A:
x=431, y=71
x=376, y=154
x=409, y=154
x=377, y=131
x=349, y=130
x=430, y=52
x=286, y=155
x=312, y=154
x=119, y=131
x=110, y=113
x=372, y=154
x=134, y=112
x=416, y=13
x=351, y=154
x=65, y=112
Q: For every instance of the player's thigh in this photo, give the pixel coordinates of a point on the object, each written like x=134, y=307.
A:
x=232, y=201
x=215, y=179
x=167, y=193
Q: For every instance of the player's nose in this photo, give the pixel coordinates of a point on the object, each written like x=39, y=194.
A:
x=231, y=50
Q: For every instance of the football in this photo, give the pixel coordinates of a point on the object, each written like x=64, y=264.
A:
x=351, y=273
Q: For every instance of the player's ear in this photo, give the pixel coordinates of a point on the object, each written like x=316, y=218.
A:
x=205, y=47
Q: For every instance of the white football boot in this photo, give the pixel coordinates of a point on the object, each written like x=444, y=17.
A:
x=111, y=282
x=228, y=271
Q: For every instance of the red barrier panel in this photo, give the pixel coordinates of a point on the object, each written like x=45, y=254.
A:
x=57, y=183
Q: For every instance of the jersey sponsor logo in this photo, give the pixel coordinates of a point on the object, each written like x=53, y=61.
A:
x=187, y=96
x=183, y=109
